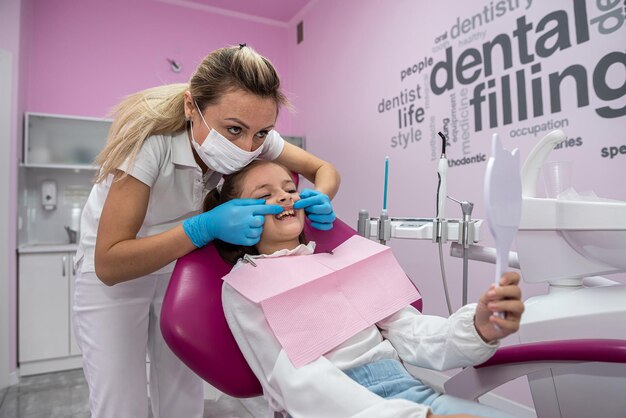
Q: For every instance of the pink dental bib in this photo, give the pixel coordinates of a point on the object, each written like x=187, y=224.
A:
x=313, y=303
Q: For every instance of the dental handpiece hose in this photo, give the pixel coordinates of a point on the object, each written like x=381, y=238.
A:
x=442, y=173
x=465, y=257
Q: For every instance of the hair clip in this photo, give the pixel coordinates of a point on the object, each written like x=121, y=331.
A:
x=248, y=259
x=241, y=46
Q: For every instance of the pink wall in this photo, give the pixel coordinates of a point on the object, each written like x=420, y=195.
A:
x=85, y=56
x=352, y=57
x=82, y=57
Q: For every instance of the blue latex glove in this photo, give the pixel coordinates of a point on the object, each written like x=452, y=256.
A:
x=318, y=209
x=238, y=221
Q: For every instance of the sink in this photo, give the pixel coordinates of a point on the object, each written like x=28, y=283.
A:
x=608, y=247
x=562, y=241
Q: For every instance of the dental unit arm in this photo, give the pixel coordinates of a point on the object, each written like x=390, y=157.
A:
x=463, y=232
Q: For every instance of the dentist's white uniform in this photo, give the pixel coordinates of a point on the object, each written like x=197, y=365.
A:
x=115, y=326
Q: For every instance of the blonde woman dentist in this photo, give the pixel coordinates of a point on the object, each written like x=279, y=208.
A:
x=168, y=146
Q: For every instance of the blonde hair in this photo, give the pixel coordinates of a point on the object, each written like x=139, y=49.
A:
x=160, y=110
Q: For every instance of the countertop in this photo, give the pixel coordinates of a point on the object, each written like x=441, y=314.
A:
x=46, y=248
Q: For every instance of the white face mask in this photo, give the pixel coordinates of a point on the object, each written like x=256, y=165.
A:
x=220, y=154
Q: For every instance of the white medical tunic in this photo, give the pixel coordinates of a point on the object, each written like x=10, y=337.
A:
x=320, y=388
x=116, y=325
x=178, y=188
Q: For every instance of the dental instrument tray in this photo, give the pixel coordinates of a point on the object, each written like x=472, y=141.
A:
x=420, y=228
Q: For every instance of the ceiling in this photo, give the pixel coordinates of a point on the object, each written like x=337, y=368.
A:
x=278, y=10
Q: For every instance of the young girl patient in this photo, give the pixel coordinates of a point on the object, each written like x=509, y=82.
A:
x=364, y=376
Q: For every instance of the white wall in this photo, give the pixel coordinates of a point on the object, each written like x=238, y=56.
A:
x=5, y=130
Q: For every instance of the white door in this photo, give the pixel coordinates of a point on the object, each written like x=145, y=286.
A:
x=43, y=306
x=6, y=83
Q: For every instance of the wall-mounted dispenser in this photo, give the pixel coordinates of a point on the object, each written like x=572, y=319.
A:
x=49, y=194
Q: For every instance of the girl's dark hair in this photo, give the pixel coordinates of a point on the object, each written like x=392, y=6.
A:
x=231, y=189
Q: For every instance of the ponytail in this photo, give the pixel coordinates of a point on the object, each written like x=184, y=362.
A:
x=155, y=111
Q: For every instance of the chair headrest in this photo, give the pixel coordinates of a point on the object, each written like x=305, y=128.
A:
x=192, y=317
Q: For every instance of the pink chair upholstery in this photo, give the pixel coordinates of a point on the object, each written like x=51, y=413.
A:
x=193, y=322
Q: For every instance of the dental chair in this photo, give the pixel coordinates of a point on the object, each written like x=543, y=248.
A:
x=193, y=322
x=195, y=329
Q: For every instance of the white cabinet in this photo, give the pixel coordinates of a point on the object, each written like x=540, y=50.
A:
x=63, y=141
x=46, y=336
x=45, y=289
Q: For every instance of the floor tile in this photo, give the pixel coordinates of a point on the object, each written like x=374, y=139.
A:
x=65, y=395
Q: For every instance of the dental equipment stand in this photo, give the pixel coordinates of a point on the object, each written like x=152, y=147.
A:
x=463, y=232
x=466, y=209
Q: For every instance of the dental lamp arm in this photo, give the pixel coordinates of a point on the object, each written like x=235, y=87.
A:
x=442, y=171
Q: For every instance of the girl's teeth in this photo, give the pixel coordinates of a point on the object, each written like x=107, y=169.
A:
x=285, y=213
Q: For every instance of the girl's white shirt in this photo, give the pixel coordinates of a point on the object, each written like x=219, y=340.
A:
x=320, y=388
x=178, y=187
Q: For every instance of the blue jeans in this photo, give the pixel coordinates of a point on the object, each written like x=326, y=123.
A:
x=390, y=380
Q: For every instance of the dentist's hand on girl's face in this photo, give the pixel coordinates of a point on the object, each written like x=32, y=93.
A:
x=238, y=221
x=318, y=209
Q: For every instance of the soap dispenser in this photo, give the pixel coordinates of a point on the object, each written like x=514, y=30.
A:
x=49, y=194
